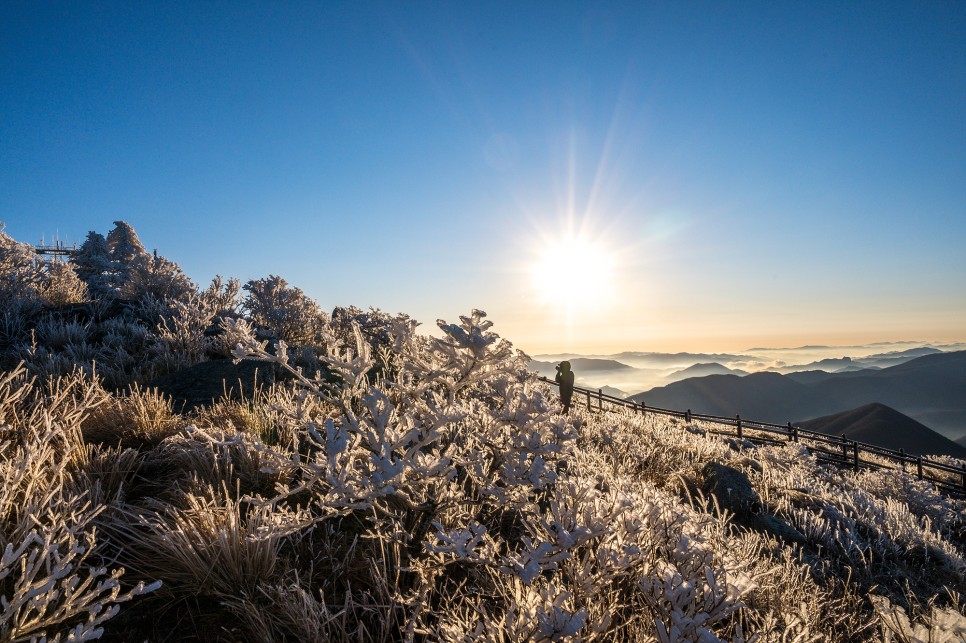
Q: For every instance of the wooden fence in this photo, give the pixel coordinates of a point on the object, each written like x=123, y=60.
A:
x=829, y=449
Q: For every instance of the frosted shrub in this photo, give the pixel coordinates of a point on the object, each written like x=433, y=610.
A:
x=275, y=415
x=155, y=277
x=939, y=625
x=20, y=276
x=223, y=296
x=124, y=243
x=182, y=330
x=283, y=312
x=461, y=421
x=51, y=587
x=56, y=333
x=60, y=285
x=854, y=520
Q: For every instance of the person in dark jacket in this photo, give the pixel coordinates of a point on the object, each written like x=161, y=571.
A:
x=565, y=378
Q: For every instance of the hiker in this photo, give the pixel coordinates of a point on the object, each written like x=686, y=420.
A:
x=565, y=378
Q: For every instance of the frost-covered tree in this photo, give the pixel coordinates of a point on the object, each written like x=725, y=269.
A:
x=124, y=243
x=126, y=249
x=94, y=266
x=282, y=311
x=60, y=285
x=158, y=278
x=19, y=274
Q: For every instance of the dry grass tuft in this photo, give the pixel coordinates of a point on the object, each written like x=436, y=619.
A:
x=143, y=417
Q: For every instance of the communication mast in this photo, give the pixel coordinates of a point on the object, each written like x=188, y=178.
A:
x=57, y=249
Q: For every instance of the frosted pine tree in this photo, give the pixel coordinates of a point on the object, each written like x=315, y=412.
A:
x=124, y=243
x=94, y=266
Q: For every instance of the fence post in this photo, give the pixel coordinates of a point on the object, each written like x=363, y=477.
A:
x=588, y=401
x=794, y=432
x=855, y=454
x=902, y=459
x=687, y=416
x=600, y=399
x=964, y=478
x=738, y=424
x=919, y=466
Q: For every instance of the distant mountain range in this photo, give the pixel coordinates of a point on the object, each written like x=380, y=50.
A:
x=930, y=389
x=702, y=370
x=885, y=427
x=878, y=361
x=651, y=359
x=637, y=371
x=580, y=365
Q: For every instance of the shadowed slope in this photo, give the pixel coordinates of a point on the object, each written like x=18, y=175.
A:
x=762, y=396
x=885, y=427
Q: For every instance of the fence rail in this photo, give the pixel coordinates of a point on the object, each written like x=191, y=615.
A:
x=829, y=449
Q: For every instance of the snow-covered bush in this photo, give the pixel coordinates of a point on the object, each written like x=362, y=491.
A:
x=937, y=626
x=52, y=586
x=19, y=274
x=60, y=286
x=281, y=311
x=151, y=276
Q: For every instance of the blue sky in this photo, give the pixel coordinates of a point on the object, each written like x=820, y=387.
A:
x=727, y=174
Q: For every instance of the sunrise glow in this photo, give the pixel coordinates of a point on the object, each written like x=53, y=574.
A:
x=574, y=272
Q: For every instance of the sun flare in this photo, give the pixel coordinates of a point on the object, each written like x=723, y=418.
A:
x=573, y=272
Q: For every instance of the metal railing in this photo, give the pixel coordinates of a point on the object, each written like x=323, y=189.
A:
x=56, y=249
x=829, y=449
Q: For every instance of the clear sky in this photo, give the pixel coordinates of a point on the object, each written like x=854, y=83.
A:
x=596, y=176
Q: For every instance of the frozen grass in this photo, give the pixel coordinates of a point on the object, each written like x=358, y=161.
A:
x=139, y=417
x=434, y=493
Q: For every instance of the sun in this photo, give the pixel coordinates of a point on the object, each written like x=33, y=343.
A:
x=574, y=272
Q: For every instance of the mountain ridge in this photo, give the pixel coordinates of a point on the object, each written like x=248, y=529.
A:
x=928, y=385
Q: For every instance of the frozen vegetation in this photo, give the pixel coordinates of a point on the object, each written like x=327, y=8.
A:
x=395, y=486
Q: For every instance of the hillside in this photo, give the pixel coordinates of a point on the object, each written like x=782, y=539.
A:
x=927, y=386
x=392, y=486
x=885, y=427
x=763, y=396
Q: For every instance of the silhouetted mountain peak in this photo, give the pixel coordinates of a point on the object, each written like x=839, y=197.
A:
x=884, y=426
